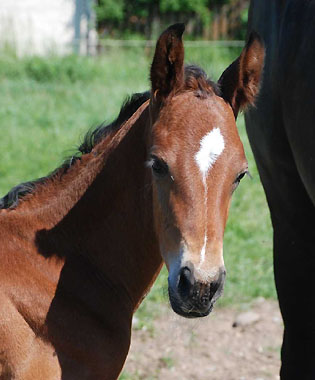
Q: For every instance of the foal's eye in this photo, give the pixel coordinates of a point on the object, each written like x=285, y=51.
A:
x=159, y=167
x=239, y=178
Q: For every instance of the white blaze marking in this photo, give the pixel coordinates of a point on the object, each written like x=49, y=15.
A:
x=211, y=146
x=203, y=251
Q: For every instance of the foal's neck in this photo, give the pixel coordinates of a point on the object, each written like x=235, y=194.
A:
x=101, y=212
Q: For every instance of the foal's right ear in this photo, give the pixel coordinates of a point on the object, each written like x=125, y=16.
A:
x=241, y=80
x=167, y=69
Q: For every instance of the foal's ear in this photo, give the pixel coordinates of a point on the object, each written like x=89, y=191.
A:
x=167, y=69
x=240, y=81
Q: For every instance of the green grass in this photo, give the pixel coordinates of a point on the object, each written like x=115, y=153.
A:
x=248, y=239
x=47, y=104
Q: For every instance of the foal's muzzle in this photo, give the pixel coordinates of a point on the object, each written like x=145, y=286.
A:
x=191, y=298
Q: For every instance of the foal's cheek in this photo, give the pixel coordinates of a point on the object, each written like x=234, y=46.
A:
x=224, y=209
x=227, y=209
x=172, y=262
x=161, y=210
x=157, y=211
x=166, y=261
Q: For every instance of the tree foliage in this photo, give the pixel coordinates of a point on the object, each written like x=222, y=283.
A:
x=110, y=10
x=213, y=19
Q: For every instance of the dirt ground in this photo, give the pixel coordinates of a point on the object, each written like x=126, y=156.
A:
x=210, y=348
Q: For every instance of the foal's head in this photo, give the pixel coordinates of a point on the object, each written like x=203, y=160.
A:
x=197, y=161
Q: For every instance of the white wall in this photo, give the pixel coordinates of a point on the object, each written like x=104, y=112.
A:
x=43, y=26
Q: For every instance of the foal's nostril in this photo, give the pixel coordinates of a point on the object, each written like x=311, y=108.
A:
x=186, y=282
x=213, y=288
x=191, y=297
x=216, y=287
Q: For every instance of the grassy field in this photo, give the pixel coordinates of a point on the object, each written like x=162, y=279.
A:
x=48, y=104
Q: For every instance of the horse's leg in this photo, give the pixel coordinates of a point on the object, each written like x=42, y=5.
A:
x=297, y=79
x=293, y=218
x=294, y=268
x=294, y=264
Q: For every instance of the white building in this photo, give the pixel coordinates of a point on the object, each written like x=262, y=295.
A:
x=45, y=26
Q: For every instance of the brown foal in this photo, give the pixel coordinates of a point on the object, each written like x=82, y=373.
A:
x=81, y=247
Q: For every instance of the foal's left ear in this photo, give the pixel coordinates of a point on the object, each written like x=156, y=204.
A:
x=167, y=69
x=240, y=81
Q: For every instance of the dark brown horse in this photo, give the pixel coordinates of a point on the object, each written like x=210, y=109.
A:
x=80, y=248
x=282, y=134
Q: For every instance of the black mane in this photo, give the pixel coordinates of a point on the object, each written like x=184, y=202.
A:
x=195, y=79
x=129, y=107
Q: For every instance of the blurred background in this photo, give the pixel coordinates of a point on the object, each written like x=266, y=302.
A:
x=34, y=26
x=67, y=65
